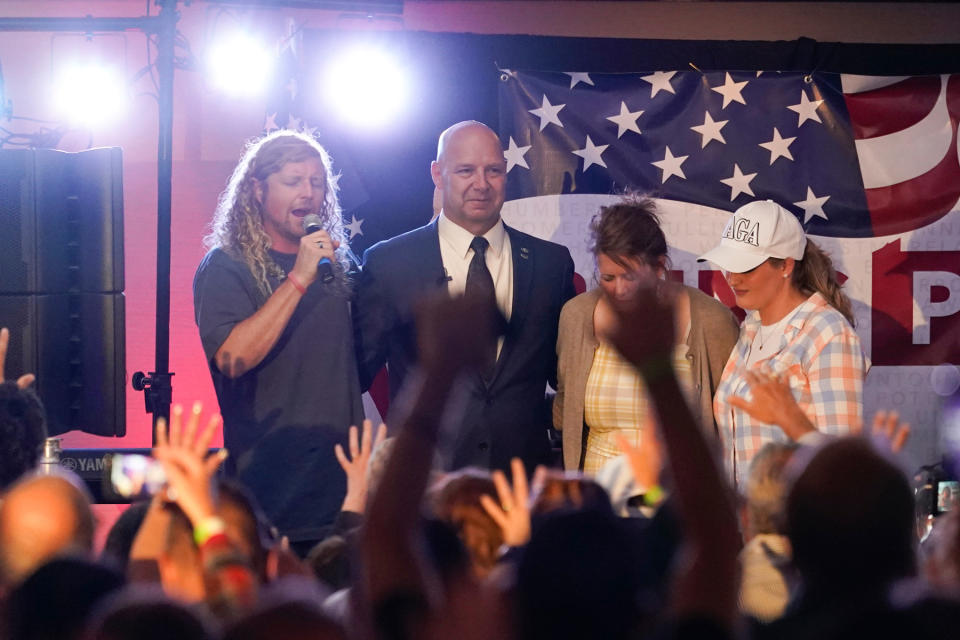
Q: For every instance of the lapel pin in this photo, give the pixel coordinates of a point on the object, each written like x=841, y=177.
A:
x=524, y=253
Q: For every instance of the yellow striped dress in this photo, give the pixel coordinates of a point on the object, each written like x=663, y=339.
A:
x=616, y=402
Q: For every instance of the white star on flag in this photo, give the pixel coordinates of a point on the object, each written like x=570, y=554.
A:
x=660, y=80
x=739, y=182
x=354, y=227
x=778, y=147
x=670, y=165
x=576, y=77
x=591, y=154
x=812, y=206
x=293, y=123
x=730, y=91
x=710, y=130
x=271, y=123
x=807, y=109
x=310, y=131
x=626, y=121
x=514, y=155
x=548, y=113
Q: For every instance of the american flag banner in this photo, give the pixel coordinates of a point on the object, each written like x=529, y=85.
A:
x=868, y=164
x=854, y=156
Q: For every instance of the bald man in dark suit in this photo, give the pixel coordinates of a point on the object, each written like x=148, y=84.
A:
x=468, y=248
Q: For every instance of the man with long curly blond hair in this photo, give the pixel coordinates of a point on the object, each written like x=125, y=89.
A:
x=277, y=338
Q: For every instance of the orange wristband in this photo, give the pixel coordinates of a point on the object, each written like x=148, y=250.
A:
x=296, y=284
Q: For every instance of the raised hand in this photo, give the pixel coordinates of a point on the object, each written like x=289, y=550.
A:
x=355, y=467
x=645, y=461
x=512, y=514
x=888, y=432
x=642, y=328
x=773, y=403
x=183, y=453
x=23, y=381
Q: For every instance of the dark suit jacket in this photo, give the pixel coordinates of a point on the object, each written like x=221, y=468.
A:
x=508, y=416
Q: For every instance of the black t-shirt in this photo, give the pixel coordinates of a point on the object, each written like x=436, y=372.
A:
x=283, y=418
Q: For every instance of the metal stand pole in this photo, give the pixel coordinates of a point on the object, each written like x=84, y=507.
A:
x=157, y=387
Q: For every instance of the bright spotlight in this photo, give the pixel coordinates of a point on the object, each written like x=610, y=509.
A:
x=367, y=87
x=90, y=94
x=240, y=65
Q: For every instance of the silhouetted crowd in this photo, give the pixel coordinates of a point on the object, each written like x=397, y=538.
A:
x=826, y=544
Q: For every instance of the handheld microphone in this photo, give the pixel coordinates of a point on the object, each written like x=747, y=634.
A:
x=311, y=224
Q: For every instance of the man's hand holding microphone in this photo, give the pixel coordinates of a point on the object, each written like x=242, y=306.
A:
x=316, y=255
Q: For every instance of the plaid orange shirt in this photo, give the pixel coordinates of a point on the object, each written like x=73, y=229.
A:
x=821, y=357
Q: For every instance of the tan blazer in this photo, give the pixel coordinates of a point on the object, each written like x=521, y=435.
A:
x=713, y=333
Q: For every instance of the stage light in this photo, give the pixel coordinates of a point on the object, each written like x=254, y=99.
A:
x=89, y=94
x=367, y=87
x=240, y=65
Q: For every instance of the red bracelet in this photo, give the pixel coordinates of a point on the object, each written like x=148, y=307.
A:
x=296, y=284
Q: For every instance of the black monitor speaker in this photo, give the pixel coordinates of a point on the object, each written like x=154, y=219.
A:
x=61, y=282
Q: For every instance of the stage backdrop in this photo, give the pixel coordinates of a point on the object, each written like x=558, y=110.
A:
x=868, y=164
x=387, y=188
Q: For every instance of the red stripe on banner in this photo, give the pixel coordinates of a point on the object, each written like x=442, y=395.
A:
x=925, y=199
x=893, y=303
x=892, y=108
x=579, y=284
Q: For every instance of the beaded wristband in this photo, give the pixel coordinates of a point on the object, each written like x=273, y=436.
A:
x=207, y=528
x=296, y=284
x=653, y=496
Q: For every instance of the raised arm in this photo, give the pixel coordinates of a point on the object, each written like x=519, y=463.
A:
x=393, y=571
x=355, y=466
x=230, y=582
x=706, y=581
x=773, y=403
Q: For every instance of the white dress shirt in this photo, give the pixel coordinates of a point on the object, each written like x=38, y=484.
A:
x=456, y=254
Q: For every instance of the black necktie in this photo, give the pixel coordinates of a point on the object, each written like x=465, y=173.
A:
x=480, y=283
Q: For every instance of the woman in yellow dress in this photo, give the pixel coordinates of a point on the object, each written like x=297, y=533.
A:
x=599, y=394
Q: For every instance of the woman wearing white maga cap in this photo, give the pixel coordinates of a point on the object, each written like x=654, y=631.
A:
x=799, y=332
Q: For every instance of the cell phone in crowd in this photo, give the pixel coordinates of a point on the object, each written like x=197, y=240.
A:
x=948, y=495
x=133, y=476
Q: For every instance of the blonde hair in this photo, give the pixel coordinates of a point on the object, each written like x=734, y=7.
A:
x=237, y=225
x=815, y=273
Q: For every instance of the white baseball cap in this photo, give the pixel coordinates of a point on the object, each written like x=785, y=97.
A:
x=758, y=230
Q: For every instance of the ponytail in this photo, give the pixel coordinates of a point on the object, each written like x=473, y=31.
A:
x=815, y=273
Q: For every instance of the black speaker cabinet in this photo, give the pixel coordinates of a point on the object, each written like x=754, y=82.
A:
x=61, y=282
